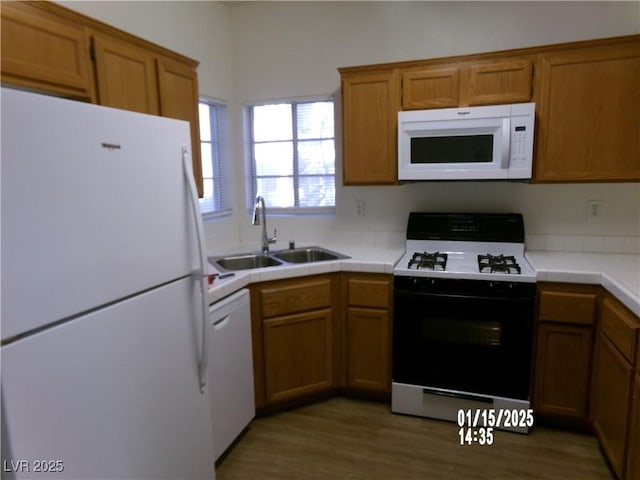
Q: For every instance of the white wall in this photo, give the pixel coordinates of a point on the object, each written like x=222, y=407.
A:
x=282, y=49
x=257, y=51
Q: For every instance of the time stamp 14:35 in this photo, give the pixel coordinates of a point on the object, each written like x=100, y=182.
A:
x=476, y=426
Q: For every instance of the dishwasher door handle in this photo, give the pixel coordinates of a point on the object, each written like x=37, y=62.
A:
x=220, y=323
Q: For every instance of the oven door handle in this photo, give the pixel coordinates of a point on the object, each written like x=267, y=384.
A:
x=455, y=296
x=463, y=396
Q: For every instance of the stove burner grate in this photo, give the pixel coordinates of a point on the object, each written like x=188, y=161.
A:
x=498, y=264
x=432, y=261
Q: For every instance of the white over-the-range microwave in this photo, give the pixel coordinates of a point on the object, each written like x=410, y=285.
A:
x=473, y=143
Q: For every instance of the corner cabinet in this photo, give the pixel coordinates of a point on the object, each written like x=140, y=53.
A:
x=564, y=345
x=52, y=49
x=294, y=332
x=588, y=117
x=613, y=386
x=368, y=333
x=370, y=105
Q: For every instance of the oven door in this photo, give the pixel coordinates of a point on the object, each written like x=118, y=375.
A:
x=474, y=343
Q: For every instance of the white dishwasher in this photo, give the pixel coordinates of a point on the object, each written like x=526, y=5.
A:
x=230, y=376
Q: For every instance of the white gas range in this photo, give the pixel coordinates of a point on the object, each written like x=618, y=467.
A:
x=464, y=299
x=494, y=261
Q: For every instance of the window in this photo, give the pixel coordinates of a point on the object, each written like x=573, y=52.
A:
x=213, y=138
x=292, y=153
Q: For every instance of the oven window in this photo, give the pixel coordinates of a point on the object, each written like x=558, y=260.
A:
x=466, y=343
x=462, y=331
x=452, y=149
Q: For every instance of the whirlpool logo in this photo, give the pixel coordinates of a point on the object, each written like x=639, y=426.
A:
x=111, y=146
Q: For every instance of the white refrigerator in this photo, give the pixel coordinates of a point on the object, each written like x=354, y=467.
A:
x=103, y=354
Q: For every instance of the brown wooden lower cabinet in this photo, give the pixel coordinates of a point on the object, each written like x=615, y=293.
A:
x=614, y=395
x=321, y=335
x=612, y=386
x=633, y=452
x=298, y=354
x=564, y=346
x=368, y=333
x=313, y=335
x=368, y=347
x=294, y=338
x=563, y=363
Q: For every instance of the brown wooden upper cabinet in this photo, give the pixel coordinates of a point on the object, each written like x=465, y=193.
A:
x=588, y=117
x=52, y=49
x=43, y=51
x=178, y=88
x=370, y=104
x=485, y=82
x=126, y=75
x=586, y=95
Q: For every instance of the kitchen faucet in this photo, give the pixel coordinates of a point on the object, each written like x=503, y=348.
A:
x=266, y=240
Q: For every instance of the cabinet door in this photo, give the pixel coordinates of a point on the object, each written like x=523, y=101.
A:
x=611, y=394
x=178, y=86
x=298, y=355
x=368, y=357
x=126, y=75
x=43, y=51
x=469, y=83
x=562, y=371
x=495, y=82
x=633, y=452
x=370, y=105
x=588, y=117
x=431, y=87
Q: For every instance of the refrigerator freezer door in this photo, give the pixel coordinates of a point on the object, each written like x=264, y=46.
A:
x=113, y=394
x=94, y=207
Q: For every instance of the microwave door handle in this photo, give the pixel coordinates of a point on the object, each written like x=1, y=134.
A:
x=506, y=142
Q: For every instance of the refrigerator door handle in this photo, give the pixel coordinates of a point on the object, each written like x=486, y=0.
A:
x=200, y=275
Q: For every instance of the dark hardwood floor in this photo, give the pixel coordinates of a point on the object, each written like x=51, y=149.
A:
x=351, y=439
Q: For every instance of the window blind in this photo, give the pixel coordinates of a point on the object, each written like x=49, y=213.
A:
x=292, y=151
x=215, y=161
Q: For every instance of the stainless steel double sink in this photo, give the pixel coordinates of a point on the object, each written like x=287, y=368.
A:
x=246, y=261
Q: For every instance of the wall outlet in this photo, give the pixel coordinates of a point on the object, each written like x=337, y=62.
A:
x=594, y=210
x=359, y=208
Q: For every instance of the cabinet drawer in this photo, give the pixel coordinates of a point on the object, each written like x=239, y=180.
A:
x=621, y=327
x=568, y=307
x=295, y=296
x=371, y=292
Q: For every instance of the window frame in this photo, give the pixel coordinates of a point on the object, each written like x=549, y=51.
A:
x=251, y=180
x=221, y=171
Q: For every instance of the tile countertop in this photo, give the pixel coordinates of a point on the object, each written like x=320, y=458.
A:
x=363, y=259
x=620, y=274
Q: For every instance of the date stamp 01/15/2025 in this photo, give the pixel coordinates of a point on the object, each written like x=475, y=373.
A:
x=477, y=425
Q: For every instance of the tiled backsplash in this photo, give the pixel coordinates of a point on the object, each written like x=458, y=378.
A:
x=583, y=243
